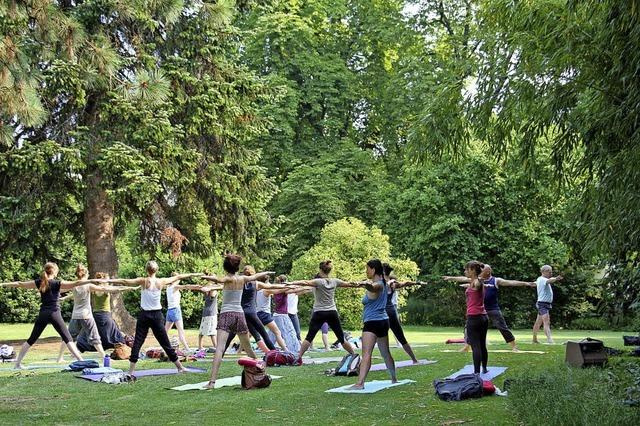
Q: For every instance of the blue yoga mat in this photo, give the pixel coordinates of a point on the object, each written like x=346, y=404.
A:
x=371, y=387
x=468, y=369
x=145, y=373
x=400, y=364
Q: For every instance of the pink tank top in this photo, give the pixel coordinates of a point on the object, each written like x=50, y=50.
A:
x=475, y=301
x=280, y=303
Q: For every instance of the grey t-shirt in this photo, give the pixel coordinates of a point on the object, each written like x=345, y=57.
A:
x=324, y=295
x=81, y=302
x=210, y=306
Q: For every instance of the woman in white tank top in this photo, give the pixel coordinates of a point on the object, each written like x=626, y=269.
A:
x=150, y=316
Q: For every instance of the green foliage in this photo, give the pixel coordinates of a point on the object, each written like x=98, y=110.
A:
x=561, y=390
x=349, y=244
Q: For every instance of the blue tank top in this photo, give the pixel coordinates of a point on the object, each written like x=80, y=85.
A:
x=375, y=310
x=491, y=295
x=248, y=300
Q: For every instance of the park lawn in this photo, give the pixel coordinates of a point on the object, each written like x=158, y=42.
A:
x=45, y=396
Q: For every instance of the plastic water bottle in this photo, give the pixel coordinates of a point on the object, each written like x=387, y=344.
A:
x=107, y=361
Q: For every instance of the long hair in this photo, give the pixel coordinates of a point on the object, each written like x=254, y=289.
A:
x=231, y=263
x=50, y=268
x=81, y=271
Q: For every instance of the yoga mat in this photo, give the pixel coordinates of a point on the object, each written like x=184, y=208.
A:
x=371, y=387
x=400, y=364
x=220, y=383
x=145, y=373
x=500, y=351
x=468, y=369
x=321, y=360
x=33, y=367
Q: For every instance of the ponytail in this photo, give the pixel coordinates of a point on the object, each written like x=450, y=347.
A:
x=377, y=267
x=50, y=268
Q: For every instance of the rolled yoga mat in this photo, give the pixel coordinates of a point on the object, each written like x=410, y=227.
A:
x=401, y=364
x=145, y=373
x=468, y=369
x=370, y=387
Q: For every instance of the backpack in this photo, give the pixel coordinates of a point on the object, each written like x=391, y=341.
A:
x=121, y=351
x=81, y=365
x=276, y=358
x=348, y=366
x=154, y=353
x=255, y=377
x=464, y=386
x=6, y=352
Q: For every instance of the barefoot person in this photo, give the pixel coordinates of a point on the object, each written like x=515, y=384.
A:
x=545, y=299
x=174, y=311
x=231, y=318
x=324, y=306
x=209, y=321
x=82, y=321
x=477, y=321
x=49, y=289
x=376, y=323
x=392, y=311
x=248, y=302
x=150, y=316
x=491, y=286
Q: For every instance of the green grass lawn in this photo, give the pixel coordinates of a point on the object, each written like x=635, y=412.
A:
x=59, y=398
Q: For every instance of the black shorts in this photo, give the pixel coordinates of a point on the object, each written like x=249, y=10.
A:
x=265, y=317
x=380, y=327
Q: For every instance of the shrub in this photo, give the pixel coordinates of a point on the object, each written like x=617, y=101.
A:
x=593, y=323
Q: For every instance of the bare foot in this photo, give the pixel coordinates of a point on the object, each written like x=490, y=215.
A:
x=210, y=385
x=514, y=349
x=19, y=367
x=394, y=380
x=60, y=361
x=356, y=387
x=465, y=349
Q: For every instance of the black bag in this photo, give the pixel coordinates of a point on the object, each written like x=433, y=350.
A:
x=464, y=386
x=348, y=366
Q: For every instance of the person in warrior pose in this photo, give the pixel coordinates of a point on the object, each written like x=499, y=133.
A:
x=49, y=289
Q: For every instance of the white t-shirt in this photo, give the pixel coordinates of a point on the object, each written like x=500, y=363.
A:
x=545, y=292
x=81, y=302
x=292, y=304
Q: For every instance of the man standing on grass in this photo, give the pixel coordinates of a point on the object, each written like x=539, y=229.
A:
x=545, y=299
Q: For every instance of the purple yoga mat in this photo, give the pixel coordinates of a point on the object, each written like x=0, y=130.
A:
x=145, y=373
x=400, y=364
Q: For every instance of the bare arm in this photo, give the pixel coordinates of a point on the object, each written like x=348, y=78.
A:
x=193, y=287
x=67, y=285
x=256, y=277
x=171, y=280
x=111, y=289
x=262, y=286
x=512, y=283
x=456, y=279
x=306, y=283
x=19, y=284
x=398, y=285
x=128, y=282
x=554, y=280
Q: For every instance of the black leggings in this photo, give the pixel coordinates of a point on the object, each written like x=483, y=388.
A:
x=477, y=326
x=256, y=329
x=320, y=317
x=45, y=318
x=155, y=321
x=499, y=322
x=394, y=325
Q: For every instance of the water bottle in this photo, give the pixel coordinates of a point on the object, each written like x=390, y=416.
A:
x=107, y=361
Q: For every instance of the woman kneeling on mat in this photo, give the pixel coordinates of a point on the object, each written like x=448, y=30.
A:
x=231, y=319
x=49, y=288
x=376, y=323
x=150, y=315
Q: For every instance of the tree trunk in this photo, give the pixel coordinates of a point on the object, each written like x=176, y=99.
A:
x=101, y=245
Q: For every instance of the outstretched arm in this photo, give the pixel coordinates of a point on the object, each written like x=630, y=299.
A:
x=19, y=284
x=67, y=285
x=458, y=279
x=171, y=280
x=398, y=285
x=133, y=282
x=262, y=286
x=111, y=289
x=256, y=277
x=513, y=283
x=554, y=280
x=305, y=283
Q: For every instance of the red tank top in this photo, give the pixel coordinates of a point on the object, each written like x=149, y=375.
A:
x=475, y=301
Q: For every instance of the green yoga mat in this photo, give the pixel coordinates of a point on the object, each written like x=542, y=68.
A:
x=220, y=383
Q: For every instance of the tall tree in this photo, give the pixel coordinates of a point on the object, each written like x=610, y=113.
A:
x=142, y=112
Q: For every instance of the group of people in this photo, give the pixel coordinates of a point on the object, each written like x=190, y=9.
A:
x=246, y=309
x=482, y=304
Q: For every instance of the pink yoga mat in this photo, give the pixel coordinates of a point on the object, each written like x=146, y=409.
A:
x=145, y=373
x=400, y=364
